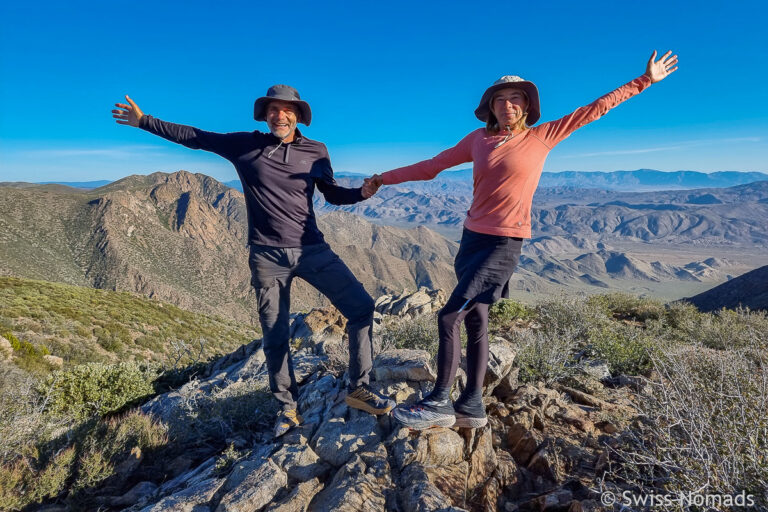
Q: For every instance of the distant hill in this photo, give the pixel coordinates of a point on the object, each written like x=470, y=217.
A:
x=82, y=324
x=748, y=290
x=182, y=238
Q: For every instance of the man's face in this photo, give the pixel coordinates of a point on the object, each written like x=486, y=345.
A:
x=282, y=118
x=508, y=105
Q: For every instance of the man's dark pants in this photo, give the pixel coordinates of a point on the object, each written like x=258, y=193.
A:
x=272, y=271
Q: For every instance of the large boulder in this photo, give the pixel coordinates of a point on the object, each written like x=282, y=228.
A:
x=319, y=325
x=360, y=485
x=257, y=489
x=301, y=463
x=337, y=440
x=298, y=499
x=411, y=305
x=193, y=498
x=501, y=359
x=403, y=365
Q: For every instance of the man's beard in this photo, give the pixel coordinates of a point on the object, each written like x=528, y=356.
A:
x=274, y=130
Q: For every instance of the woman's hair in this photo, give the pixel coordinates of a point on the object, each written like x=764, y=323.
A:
x=492, y=126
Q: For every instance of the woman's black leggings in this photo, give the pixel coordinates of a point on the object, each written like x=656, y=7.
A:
x=475, y=317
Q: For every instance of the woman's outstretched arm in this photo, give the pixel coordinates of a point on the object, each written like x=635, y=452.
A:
x=553, y=132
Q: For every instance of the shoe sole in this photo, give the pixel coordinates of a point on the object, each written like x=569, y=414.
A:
x=363, y=406
x=447, y=422
x=469, y=422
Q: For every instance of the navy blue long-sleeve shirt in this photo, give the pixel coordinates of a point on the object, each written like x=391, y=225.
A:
x=278, y=179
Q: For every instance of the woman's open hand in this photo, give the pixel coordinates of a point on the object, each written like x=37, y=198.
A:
x=660, y=69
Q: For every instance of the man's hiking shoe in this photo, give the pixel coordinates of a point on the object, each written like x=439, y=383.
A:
x=427, y=413
x=286, y=420
x=470, y=412
x=365, y=399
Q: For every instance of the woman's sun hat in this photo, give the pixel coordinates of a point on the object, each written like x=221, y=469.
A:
x=508, y=82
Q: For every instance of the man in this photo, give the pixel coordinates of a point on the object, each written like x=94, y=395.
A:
x=279, y=171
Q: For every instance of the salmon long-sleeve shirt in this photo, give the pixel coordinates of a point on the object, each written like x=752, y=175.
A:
x=505, y=178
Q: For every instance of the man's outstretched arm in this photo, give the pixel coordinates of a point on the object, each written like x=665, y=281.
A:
x=220, y=143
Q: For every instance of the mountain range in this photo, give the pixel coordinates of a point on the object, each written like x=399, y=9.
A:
x=180, y=238
x=727, y=217
x=627, y=181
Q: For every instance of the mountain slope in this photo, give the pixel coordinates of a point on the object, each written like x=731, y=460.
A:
x=182, y=238
x=749, y=290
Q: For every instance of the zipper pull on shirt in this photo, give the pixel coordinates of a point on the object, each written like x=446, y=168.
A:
x=269, y=155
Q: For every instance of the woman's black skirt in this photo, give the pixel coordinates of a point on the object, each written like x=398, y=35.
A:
x=484, y=265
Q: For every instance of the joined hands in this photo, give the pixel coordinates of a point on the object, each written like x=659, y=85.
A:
x=371, y=185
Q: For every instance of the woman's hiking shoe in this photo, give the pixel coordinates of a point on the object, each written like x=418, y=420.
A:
x=470, y=412
x=427, y=413
x=286, y=420
x=365, y=399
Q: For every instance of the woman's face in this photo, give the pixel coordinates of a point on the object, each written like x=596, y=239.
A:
x=509, y=105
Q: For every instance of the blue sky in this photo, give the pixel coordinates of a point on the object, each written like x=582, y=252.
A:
x=389, y=83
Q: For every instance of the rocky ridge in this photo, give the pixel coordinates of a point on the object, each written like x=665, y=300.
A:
x=544, y=449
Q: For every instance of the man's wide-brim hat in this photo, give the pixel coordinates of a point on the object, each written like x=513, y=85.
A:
x=282, y=93
x=508, y=82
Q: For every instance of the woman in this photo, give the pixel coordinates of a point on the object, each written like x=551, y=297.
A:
x=508, y=156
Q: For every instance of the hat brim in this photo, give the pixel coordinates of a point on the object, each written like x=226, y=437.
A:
x=260, y=109
x=534, y=109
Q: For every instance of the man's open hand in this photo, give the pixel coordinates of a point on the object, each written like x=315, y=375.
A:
x=129, y=114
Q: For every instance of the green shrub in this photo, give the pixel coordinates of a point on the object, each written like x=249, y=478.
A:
x=505, y=311
x=725, y=329
x=626, y=306
x=625, y=349
x=15, y=343
x=682, y=316
x=227, y=460
x=97, y=389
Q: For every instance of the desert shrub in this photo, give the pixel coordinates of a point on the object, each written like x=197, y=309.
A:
x=626, y=306
x=227, y=460
x=682, y=316
x=625, y=349
x=28, y=356
x=21, y=485
x=418, y=333
x=112, y=442
x=544, y=356
x=90, y=454
x=224, y=412
x=505, y=311
x=97, y=389
x=725, y=329
x=706, y=424
x=575, y=317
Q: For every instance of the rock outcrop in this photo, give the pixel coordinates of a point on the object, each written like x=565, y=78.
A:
x=542, y=449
